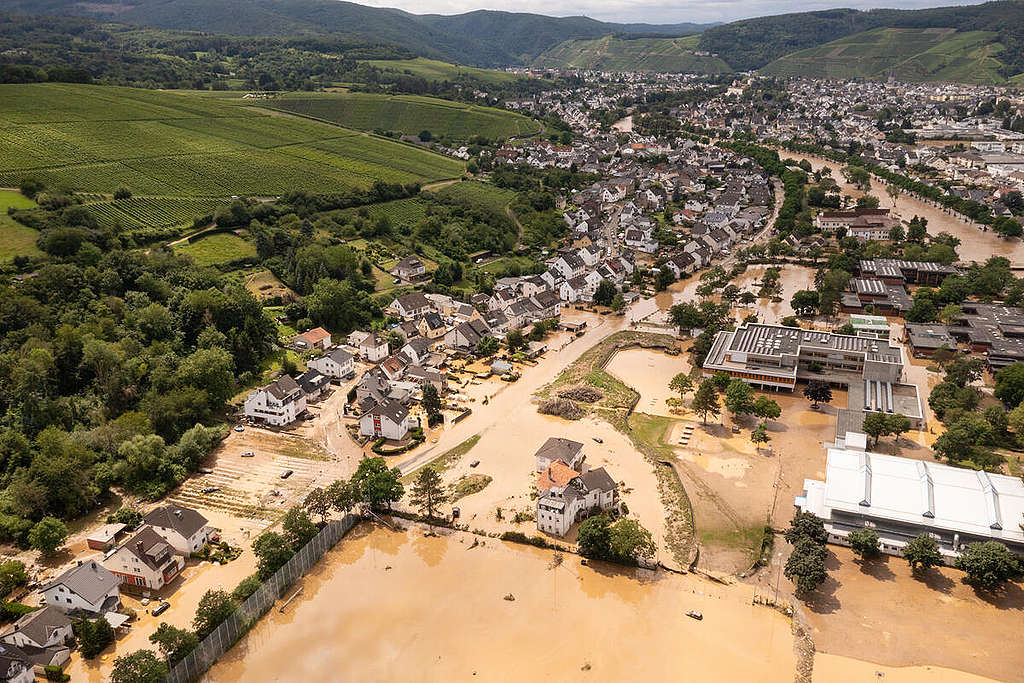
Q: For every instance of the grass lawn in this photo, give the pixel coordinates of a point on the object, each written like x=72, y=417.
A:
x=218, y=248
x=13, y=199
x=15, y=238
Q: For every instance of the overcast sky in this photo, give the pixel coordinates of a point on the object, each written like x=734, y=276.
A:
x=651, y=11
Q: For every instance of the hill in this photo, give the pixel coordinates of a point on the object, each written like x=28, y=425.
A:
x=754, y=43
x=435, y=70
x=96, y=139
x=482, y=38
x=908, y=54
x=675, y=55
x=409, y=115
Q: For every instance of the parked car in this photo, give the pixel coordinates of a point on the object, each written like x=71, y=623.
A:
x=598, y=439
x=211, y=489
x=161, y=608
x=248, y=454
x=239, y=428
x=474, y=463
x=694, y=614
x=286, y=474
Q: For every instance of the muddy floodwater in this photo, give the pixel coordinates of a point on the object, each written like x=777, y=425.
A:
x=397, y=605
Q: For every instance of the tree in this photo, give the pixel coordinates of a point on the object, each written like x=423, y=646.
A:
x=630, y=542
x=272, y=550
x=298, y=528
x=922, y=552
x=425, y=136
x=604, y=293
x=93, y=636
x=318, y=502
x=806, y=525
x=705, y=400
x=739, y=398
x=876, y=425
x=515, y=340
x=343, y=496
x=817, y=392
x=1010, y=385
x=47, y=535
x=431, y=402
x=122, y=192
x=988, y=565
x=806, y=565
x=664, y=278
x=215, y=607
x=805, y=301
x=12, y=575
x=142, y=666
x=898, y=424
x=681, y=384
x=175, y=643
x=863, y=542
x=427, y=492
x=766, y=408
x=618, y=302
x=377, y=485
x=759, y=436
x=487, y=346
x=594, y=538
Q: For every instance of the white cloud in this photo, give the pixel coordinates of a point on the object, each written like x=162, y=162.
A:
x=651, y=11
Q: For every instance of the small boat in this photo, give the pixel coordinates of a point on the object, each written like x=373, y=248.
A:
x=694, y=614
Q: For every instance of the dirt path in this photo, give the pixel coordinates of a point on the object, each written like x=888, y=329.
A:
x=519, y=226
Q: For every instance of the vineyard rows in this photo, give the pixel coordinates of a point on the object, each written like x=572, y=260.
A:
x=154, y=212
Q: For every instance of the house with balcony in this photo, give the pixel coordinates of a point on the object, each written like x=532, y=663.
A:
x=278, y=404
x=145, y=562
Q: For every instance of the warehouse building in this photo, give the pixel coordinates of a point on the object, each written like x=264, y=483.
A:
x=901, y=498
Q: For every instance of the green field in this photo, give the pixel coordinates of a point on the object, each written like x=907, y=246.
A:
x=401, y=212
x=664, y=55
x=15, y=238
x=914, y=55
x=95, y=139
x=433, y=70
x=221, y=247
x=409, y=115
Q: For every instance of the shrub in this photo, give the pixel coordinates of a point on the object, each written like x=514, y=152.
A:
x=582, y=393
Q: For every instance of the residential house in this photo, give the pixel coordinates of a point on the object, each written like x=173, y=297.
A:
x=385, y=419
x=431, y=326
x=145, y=561
x=418, y=350
x=15, y=666
x=43, y=635
x=373, y=348
x=185, y=529
x=278, y=404
x=559, y=507
x=411, y=305
x=314, y=384
x=310, y=340
x=466, y=335
x=337, y=363
x=555, y=448
x=86, y=587
x=409, y=268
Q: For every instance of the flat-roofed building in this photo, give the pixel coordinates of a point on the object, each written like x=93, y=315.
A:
x=901, y=498
x=992, y=329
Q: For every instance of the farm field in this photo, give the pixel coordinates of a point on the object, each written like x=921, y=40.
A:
x=152, y=212
x=218, y=248
x=98, y=138
x=409, y=115
x=15, y=238
x=434, y=70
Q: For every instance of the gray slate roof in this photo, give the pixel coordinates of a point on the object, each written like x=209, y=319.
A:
x=89, y=580
x=185, y=521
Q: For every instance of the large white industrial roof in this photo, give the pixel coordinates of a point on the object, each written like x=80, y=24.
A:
x=918, y=492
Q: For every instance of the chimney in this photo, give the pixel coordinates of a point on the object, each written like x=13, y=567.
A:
x=79, y=563
x=139, y=545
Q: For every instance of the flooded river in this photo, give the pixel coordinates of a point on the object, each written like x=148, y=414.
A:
x=394, y=605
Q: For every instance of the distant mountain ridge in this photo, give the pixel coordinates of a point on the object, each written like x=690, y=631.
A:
x=481, y=38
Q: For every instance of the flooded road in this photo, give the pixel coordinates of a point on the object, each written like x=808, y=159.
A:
x=393, y=605
x=975, y=243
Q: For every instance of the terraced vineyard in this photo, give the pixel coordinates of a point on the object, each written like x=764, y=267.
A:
x=666, y=55
x=434, y=70
x=410, y=115
x=96, y=138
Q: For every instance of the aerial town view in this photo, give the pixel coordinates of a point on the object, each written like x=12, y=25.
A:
x=443, y=341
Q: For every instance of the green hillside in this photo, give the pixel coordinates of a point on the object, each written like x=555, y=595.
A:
x=410, y=114
x=666, y=55
x=434, y=70
x=95, y=139
x=925, y=54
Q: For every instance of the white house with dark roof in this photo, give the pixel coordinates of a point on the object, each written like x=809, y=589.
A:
x=373, y=348
x=43, y=635
x=555, y=448
x=145, y=561
x=278, y=404
x=409, y=267
x=385, y=419
x=411, y=305
x=15, y=666
x=87, y=587
x=185, y=529
x=314, y=384
x=336, y=362
x=560, y=507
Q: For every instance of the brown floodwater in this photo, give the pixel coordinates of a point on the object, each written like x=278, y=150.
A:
x=390, y=605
